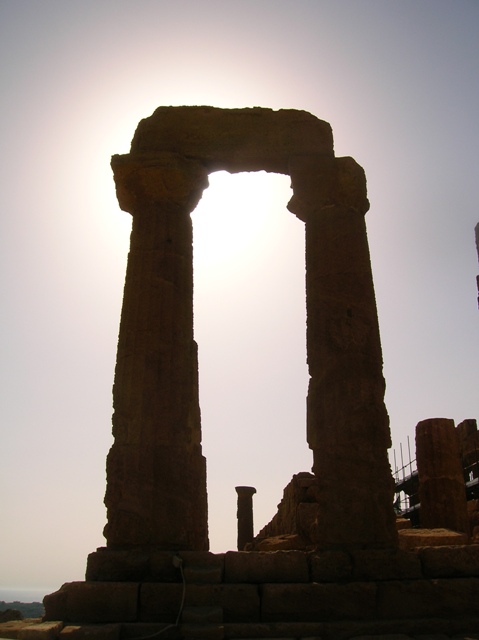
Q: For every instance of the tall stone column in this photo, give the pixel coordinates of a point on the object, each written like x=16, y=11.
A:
x=442, y=493
x=347, y=422
x=156, y=473
x=245, y=516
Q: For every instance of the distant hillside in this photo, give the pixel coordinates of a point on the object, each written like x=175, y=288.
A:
x=27, y=609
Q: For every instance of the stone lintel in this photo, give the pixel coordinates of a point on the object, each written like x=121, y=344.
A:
x=233, y=140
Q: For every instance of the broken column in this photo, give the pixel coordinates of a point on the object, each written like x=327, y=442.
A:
x=347, y=421
x=441, y=481
x=245, y=516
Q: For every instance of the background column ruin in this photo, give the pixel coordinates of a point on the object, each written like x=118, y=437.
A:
x=156, y=473
x=442, y=493
x=347, y=421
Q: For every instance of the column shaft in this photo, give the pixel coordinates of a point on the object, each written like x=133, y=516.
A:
x=442, y=493
x=347, y=421
x=156, y=473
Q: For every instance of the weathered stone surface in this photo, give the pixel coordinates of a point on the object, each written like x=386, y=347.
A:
x=245, y=516
x=413, y=538
x=234, y=140
x=428, y=598
x=201, y=632
x=277, y=630
x=93, y=602
x=385, y=565
x=161, y=602
x=277, y=566
x=91, y=632
x=284, y=542
x=345, y=399
x=136, y=630
x=202, y=615
x=451, y=561
x=331, y=566
x=203, y=567
x=317, y=602
x=118, y=565
x=12, y=628
x=240, y=602
x=441, y=481
x=41, y=631
x=297, y=514
x=156, y=489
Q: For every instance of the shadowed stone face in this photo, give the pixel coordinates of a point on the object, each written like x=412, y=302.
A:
x=234, y=140
x=156, y=489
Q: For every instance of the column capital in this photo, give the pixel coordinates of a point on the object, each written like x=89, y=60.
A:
x=245, y=491
x=319, y=182
x=168, y=181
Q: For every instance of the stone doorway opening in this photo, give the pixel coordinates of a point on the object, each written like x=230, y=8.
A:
x=249, y=323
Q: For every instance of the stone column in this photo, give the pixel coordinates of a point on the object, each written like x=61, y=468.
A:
x=441, y=481
x=245, y=516
x=156, y=473
x=347, y=422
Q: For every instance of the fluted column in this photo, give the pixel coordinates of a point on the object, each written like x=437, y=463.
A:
x=347, y=422
x=156, y=473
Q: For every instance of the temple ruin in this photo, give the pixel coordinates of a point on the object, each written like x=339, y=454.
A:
x=156, y=474
x=155, y=575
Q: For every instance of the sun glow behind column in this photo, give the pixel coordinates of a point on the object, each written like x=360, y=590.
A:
x=250, y=328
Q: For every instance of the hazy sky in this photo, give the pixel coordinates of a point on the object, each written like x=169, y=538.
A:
x=399, y=83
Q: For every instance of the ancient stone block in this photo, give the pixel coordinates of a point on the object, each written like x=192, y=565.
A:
x=318, y=602
x=330, y=566
x=201, y=632
x=296, y=515
x=257, y=567
x=284, y=542
x=136, y=630
x=240, y=602
x=201, y=567
x=234, y=140
x=451, y=561
x=160, y=602
x=41, y=631
x=202, y=615
x=385, y=564
x=162, y=568
x=93, y=602
x=12, y=628
x=277, y=630
x=428, y=598
x=414, y=538
x=91, y=632
x=118, y=565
